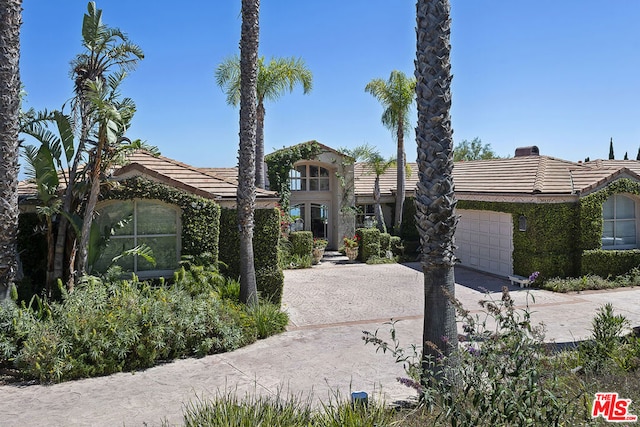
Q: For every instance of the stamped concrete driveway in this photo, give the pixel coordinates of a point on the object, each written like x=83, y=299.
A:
x=321, y=353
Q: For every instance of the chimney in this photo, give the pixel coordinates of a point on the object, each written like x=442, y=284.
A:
x=527, y=151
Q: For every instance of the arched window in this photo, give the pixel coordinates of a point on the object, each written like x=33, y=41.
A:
x=137, y=222
x=309, y=178
x=619, y=223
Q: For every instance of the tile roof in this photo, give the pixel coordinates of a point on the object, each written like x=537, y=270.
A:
x=203, y=182
x=200, y=181
x=517, y=175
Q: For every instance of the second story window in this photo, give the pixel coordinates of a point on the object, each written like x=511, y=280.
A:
x=309, y=178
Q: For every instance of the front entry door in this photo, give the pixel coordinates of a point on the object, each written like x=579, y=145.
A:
x=312, y=217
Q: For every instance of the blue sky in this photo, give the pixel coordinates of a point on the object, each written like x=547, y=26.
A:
x=562, y=75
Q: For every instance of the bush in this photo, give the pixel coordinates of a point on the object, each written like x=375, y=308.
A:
x=603, y=263
x=497, y=376
x=110, y=326
x=369, y=239
x=395, y=243
x=269, y=281
x=592, y=282
x=385, y=244
x=301, y=243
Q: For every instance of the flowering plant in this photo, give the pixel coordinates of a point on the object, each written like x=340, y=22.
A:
x=320, y=243
x=351, y=242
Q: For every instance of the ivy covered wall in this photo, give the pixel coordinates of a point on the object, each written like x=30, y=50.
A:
x=548, y=245
x=200, y=217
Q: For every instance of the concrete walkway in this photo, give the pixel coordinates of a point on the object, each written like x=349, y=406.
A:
x=321, y=352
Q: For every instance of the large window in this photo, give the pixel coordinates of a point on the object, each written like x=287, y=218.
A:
x=137, y=222
x=309, y=178
x=619, y=223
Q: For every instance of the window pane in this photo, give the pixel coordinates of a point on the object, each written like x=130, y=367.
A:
x=625, y=208
x=164, y=252
x=607, y=208
x=625, y=232
x=313, y=171
x=313, y=184
x=294, y=184
x=324, y=172
x=117, y=216
x=154, y=218
x=324, y=184
x=302, y=171
x=293, y=173
x=115, y=247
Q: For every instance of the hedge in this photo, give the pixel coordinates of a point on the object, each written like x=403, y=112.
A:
x=266, y=233
x=606, y=263
x=301, y=243
x=385, y=244
x=369, y=243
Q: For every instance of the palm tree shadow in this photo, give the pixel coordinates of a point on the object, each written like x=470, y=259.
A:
x=475, y=280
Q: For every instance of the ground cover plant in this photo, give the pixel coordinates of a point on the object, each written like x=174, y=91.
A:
x=108, y=325
x=592, y=282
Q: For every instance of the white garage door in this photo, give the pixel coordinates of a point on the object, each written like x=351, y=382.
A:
x=484, y=241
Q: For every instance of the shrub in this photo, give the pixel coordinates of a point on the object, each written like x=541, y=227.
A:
x=498, y=377
x=385, y=244
x=395, y=243
x=269, y=281
x=609, y=263
x=110, y=326
x=301, y=243
x=369, y=243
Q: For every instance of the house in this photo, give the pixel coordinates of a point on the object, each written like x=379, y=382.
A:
x=171, y=206
x=530, y=212
x=517, y=215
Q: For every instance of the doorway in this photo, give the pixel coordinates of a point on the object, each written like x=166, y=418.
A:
x=314, y=217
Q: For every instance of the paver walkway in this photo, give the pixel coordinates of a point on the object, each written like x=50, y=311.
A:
x=321, y=352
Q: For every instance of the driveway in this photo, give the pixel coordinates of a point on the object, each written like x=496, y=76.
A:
x=321, y=353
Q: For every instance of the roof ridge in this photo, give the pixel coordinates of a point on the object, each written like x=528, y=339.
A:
x=538, y=184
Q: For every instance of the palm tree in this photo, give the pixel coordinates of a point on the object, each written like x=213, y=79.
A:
x=105, y=48
x=378, y=165
x=274, y=79
x=10, y=20
x=435, y=201
x=246, y=158
x=396, y=96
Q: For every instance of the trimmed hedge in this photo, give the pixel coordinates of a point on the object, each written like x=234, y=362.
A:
x=301, y=243
x=408, y=228
x=369, y=243
x=606, y=263
x=385, y=244
x=395, y=243
x=266, y=234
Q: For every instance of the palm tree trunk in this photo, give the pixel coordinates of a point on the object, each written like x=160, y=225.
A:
x=83, y=248
x=378, y=208
x=68, y=200
x=10, y=21
x=435, y=201
x=400, y=181
x=260, y=173
x=246, y=163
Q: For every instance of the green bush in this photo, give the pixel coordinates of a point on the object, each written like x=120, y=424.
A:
x=395, y=243
x=385, y=244
x=270, y=282
x=267, y=250
x=369, y=243
x=605, y=263
x=301, y=243
x=408, y=228
x=110, y=326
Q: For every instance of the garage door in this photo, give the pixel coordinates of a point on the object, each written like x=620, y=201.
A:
x=485, y=242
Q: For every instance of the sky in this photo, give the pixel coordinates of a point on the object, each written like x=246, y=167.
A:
x=562, y=75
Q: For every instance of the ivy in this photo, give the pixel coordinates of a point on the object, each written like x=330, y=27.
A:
x=280, y=163
x=591, y=211
x=200, y=217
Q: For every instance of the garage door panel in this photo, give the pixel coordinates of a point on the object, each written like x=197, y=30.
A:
x=484, y=240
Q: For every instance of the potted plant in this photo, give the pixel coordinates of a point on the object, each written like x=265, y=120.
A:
x=351, y=247
x=318, y=249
